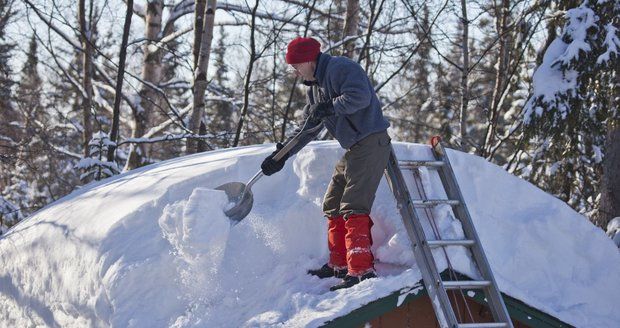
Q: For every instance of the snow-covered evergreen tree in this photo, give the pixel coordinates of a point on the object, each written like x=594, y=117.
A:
x=574, y=106
x=6, y=13
x=27, y=186
x=7, y=110
x=96, y=167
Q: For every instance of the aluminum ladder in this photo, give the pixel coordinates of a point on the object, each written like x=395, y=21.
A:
x=435, y=285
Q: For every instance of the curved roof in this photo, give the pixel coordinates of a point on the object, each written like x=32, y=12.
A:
x=153, y=248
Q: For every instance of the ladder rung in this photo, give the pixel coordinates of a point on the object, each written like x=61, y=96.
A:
x=450, y=242
x=483, y=325
x=416, y=164
x=466, y=284
x=433, y=202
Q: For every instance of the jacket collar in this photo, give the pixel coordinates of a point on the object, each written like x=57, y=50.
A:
x=321, y=67
x=320, y=70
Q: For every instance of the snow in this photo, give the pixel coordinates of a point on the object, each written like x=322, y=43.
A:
x=612, y=42
x=549, y=80
x=557, y=76
x=613, y=230
x=152, y=248
x=580, y=20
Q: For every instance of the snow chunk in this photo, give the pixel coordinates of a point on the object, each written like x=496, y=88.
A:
x=198, y=228
x=613, y=230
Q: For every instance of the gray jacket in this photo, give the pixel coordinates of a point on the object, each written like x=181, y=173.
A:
x=358, y=110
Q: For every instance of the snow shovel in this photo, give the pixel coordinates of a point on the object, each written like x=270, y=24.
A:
x=241, y=194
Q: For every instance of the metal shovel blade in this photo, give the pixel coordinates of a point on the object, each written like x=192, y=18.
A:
x=241, y=194
x=243, y=202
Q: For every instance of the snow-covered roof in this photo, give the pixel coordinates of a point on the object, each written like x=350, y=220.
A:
x=152, y=248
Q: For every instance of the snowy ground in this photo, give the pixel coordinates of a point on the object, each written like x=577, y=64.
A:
x=152, y=248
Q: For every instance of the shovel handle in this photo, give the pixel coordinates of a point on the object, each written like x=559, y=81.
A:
x=277, y=157
x=293, y=142
x=255, y=178
x=286, y=149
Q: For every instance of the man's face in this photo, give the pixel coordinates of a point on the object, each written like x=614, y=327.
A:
x=304, y=70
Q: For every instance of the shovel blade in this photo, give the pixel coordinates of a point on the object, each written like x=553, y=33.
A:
x=242, y=202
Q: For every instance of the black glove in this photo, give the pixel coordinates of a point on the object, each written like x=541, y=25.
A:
x=271, y=166
x=321, y=110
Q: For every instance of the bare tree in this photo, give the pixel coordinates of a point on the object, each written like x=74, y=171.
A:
x=119, y=82
x=87, y=59
x=501, y=71
x=374, y=17
x=200, y=78
x=464, y=75
x=248, y=76
x=151, y=74
x=351, y=25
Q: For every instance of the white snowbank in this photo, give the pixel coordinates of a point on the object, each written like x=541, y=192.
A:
x=152, y=248
x=613, y=230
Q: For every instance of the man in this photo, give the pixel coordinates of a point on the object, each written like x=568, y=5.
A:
x=342, y=98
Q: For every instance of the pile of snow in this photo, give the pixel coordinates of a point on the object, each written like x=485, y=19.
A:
x=152, y=248
x=613, y=230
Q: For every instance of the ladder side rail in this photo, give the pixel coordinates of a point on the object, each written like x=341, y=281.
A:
x=432, y=280
x=446, y=174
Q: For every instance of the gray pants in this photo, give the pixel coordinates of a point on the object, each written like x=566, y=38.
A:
x=356, y=177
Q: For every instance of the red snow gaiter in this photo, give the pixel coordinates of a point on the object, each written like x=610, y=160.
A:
x=335, y=242
x=358, y=242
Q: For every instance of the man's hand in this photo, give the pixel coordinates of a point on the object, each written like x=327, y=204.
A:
x=320, y=111
x=271, y=166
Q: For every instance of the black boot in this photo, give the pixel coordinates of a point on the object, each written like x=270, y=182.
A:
x=349, y=281
x=326, y=271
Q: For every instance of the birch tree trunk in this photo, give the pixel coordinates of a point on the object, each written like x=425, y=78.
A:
x=200, y=78
x=119, y=82
x=464, y=76
x=151, y=73
x=350, y=27
x=87, y=84
x=199, y=20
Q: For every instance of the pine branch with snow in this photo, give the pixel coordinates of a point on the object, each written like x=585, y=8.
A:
x=95, y=167
x=572, y=112
x=567, y=80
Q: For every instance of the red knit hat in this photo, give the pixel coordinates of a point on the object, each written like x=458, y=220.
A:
x=302, y=50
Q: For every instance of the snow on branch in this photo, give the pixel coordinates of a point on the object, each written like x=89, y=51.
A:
x=612, y=42
x=556, y=80
x=138, y=9
x=171, y=137
x=10, y=214
x=166, y=123
x=580, y=20
x=65, y=151
x=95, y=167
x=49, y=23
x=9, y=140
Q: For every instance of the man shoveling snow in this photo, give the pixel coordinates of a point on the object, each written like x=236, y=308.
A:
x=342, y=99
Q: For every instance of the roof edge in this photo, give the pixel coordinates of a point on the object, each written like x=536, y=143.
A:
x=518, y=310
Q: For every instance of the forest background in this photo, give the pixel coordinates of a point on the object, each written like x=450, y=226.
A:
x=95, y=88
